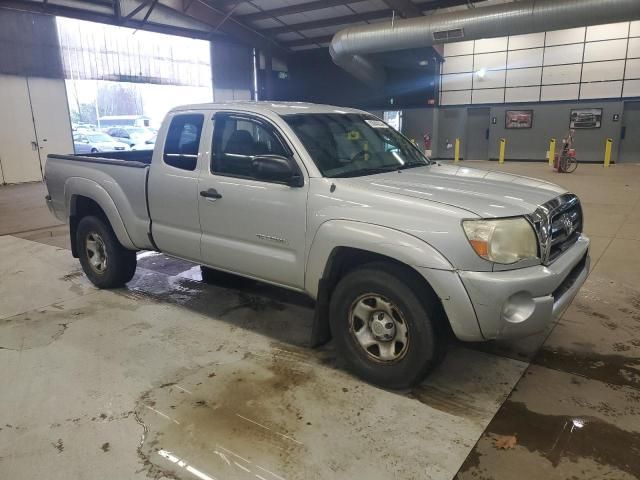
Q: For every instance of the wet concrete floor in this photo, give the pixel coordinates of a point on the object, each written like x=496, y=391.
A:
x=174, y=378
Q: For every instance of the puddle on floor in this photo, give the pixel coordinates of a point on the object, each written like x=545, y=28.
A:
x=599, y=337
x=282, y=415
x=561, y=437
x=613, y=369
x=280, y=314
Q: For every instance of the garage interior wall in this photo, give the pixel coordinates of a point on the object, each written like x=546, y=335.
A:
x=550, y=73
x=34, y=114
x=550, y=120
x=585, y=63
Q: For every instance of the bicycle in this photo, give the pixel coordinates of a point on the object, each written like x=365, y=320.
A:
x=567, y=161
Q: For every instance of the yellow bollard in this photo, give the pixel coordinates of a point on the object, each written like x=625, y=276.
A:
x=503, y=146
x=456, y=151
x=552, y=151
x=607, y=152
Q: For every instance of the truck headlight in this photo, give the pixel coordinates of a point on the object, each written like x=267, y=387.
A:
x=502, y=241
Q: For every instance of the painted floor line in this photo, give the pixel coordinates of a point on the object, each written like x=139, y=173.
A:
x=181, y=463
x=163, y=414
x=242, y=467
x=270, y=472
x=233, y=453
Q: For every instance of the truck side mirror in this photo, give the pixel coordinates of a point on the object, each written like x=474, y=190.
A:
x=276, y=168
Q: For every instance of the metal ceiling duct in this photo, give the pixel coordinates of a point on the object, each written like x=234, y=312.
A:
x=349, y=47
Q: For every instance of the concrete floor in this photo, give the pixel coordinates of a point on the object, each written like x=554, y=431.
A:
x=173, y=378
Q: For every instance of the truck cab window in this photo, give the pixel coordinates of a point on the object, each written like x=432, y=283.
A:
x=183, y=141
x=236, y=141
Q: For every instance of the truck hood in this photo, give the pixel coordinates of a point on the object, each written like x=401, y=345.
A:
x=485, y=193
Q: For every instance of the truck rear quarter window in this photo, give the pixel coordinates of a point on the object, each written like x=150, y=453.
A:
x=183, y=141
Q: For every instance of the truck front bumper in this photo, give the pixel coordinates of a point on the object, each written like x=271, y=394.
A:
x=512, y=303
x=517, y=303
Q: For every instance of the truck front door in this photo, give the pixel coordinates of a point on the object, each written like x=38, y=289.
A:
x=251, y=226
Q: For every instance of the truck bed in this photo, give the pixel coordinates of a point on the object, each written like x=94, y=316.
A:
x=143, y=156
x=117, y=181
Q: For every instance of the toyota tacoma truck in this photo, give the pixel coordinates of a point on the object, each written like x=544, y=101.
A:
x=396, y=250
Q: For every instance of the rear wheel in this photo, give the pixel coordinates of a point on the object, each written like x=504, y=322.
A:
x=104, y=260
x=385, y=327
x=570, y=164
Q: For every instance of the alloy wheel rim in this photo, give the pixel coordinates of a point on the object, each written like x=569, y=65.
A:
x=96, y=253
x=379, y=328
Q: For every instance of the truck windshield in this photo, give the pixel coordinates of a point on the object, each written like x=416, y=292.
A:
x=353, y=145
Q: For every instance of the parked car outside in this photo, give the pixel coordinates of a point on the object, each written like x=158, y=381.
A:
x=146, y=145
x=130, y=135
x=94, y=142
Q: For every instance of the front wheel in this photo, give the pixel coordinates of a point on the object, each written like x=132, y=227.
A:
x=104, y=260
x=385, y=326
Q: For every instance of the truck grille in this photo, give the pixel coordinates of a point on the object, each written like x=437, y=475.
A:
x=558, y=224
x=566, y=227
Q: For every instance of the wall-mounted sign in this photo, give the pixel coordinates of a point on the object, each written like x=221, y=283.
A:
x=616, y=117
x=586, y=118
x=494, y=120
x=518, y=119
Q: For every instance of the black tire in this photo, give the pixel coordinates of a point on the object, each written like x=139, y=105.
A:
x=94, y=150
x=120, y=264
x=413, y=303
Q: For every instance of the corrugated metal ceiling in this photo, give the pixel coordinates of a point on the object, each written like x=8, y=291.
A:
x=280, y=25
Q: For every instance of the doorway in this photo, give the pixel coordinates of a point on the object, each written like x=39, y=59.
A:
x=35, y=122
x=478, y=120
x=630, y=134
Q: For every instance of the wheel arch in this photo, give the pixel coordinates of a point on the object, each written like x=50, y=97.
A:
x=84, y=197
x=344, y=245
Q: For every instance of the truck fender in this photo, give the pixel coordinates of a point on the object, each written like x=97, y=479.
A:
x=372, y=238
x=78, y=186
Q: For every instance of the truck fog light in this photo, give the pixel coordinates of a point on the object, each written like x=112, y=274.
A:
x=518, y=307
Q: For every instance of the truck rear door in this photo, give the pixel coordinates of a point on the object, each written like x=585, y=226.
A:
x=173, y=185
x=251, y=226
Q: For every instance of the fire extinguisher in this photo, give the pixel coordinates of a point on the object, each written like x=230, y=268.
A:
x=427, y=140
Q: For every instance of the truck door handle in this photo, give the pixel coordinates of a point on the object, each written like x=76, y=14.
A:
x=211, y=193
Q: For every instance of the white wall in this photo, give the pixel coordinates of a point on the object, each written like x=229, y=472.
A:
x=35, y=122
x=601, y=61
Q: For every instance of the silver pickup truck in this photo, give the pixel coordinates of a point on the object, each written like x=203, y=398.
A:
x=396, y=250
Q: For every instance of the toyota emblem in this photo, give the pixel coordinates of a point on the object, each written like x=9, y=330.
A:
x=567, y=224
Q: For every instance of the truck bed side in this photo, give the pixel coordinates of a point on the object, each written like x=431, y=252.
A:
x=117, y=186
